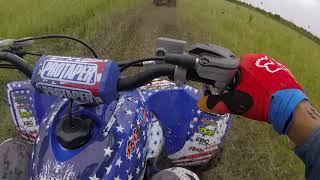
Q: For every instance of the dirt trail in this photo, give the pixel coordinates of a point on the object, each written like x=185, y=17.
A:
x=133, y=35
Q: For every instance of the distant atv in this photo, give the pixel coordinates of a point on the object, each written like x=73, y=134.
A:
x=172, y=3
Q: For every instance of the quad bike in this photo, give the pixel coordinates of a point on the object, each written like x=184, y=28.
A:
x=80, y=118
x=170, y=3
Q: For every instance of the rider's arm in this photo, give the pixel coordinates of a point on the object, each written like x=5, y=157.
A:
x=305, y=121
x=305, y=132
x=267, y=91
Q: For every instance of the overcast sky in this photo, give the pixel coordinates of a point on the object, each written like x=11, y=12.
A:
x=304, y=13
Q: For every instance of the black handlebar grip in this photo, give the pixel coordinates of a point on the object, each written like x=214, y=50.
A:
x=183, y=60
x=18, y=62
x=145, y=77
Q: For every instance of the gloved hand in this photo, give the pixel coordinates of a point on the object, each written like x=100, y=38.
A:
x=267, y=91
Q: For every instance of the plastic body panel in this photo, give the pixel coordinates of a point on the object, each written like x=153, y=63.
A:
x=191, y=137
x=27, y=107
x=118, y=147
x=138, y=125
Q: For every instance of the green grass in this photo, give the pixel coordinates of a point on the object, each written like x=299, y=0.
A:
x=253, y=150
x=19, y=18
x=278, y=18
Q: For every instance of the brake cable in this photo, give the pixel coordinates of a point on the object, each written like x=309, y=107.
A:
x=7, y=66
x=56, y=36
x=139, y=61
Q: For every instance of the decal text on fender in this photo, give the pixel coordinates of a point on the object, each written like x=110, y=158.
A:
x=74, y=72
x=132, y=142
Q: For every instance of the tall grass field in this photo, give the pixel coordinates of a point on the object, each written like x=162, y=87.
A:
x=19, y=18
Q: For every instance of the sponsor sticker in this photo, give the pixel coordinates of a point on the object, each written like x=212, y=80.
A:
x=202, y=141
x=209, y=122
x=23, y=106
x=158, y=85
x=69, y=93
x=28, y=123
x=132, y=142
x=19, y=97
x=193, y=148
x=73, y=72
x=25, y=115
x=206, y=131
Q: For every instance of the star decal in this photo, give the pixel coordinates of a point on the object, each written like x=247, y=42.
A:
x=129, y=157
x=139, y=155
x=108, y=151
x=130, y=176
x=129, y=112
x=195, y=119
x=198, y=112
x=119, y=162
x=120, y=143
x=117, y=178
x=38, y=139
x=108, y=169
x=137, y=170
x=120, y=128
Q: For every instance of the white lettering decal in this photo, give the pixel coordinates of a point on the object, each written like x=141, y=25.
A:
x=73, y=72
x=69, y=93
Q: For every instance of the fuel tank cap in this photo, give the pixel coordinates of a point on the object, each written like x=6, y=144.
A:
x=74, y=132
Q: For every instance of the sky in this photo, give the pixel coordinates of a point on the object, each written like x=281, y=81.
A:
x=303, y=13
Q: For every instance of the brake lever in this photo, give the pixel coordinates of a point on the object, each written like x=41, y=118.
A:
x=6, y=42
x=218, y=65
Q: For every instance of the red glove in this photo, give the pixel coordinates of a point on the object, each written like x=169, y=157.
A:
x=267, y=92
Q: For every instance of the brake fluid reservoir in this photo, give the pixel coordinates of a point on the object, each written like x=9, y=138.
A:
x=85, y=80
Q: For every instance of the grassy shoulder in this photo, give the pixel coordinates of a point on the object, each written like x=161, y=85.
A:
x=278, y=18
x=253, y=150
x=27, y=18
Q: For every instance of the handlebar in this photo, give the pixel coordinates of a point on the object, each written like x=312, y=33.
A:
x=97, y=81
x=18, y=62
x=145, y=77
x=124, y=83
